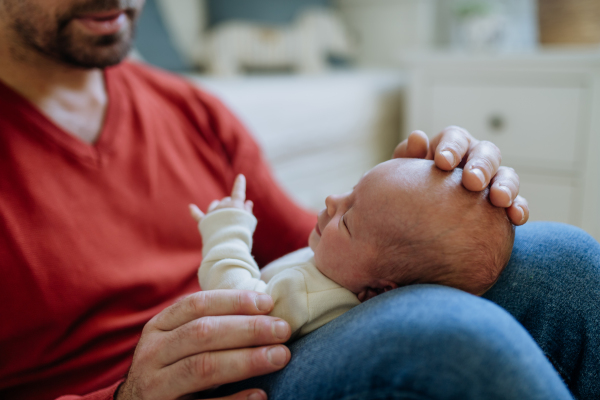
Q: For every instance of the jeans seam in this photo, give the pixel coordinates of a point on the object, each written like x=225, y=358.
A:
x=386, y=394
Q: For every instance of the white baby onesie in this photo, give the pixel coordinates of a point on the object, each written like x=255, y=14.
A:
x=303, y=296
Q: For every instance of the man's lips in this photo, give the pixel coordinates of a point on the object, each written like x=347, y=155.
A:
x=103, y=23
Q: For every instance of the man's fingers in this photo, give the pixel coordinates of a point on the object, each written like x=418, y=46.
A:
x=197, y=214
x=482, y=164
x=504, y=187
x=211, y=303
x=222, y=333
x=400, y=150
x=153, y=372
x=416, y=146
x=450, y=146
x=249, y=206
x=518, y=212
x=250, y=394
x=238, y=193
x=206, y=370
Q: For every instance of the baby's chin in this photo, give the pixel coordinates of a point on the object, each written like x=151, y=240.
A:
x=313, y=240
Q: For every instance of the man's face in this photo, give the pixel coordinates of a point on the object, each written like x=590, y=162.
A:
x=80, y=33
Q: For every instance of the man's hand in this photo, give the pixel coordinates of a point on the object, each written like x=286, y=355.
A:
x=236, y=200
x=480, y=160
x=205, y=340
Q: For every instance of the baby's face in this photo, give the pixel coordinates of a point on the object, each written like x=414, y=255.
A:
x=341, y=238
x=401, y=196
x=348, y=232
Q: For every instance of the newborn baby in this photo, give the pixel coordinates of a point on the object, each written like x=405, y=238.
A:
x=405, y=222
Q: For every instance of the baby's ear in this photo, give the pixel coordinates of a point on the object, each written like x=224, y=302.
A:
x=369, y=293
x=390, y=286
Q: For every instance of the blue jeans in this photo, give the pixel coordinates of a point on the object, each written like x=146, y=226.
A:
x=552, y=287
x=434, y=342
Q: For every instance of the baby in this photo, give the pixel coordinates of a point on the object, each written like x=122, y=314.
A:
x=405, y=222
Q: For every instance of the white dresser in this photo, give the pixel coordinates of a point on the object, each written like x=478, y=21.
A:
x=542, y=110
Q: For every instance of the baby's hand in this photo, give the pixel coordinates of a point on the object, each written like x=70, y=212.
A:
x=237, y=200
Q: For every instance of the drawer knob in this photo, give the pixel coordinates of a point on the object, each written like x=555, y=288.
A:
x=497, y=123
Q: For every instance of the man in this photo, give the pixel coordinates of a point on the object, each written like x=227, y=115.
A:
x=97, y=166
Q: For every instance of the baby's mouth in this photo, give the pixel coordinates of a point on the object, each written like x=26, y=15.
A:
x=317, y=229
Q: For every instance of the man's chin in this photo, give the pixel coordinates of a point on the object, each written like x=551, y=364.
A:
x=79, y=47
x=97, y=55
x=94, y=62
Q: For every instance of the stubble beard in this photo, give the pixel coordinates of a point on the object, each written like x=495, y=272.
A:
x=57, y=38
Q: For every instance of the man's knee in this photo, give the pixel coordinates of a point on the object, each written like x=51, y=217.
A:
x=427, y=339
x=549, y=259
x=429, y=319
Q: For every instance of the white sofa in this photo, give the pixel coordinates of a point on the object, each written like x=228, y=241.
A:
x=320, y=133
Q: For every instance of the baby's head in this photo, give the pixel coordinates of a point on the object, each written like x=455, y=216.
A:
x=406, y=222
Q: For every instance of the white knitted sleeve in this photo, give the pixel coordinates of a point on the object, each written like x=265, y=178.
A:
x=227, y=262
x=303, y=296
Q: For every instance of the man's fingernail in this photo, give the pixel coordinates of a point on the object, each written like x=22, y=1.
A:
x=522, y=215
x=256, y=396
x=448, y=156
x=277, y=356
x=508, y=193
x=280, y=329
x=479, y=174
x=263, y=302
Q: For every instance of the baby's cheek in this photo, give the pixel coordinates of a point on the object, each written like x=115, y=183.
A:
x=313, y=240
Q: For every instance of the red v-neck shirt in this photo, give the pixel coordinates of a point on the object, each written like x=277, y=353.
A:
x=97, y=239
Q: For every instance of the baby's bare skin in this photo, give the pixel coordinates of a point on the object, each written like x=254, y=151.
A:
x=404, y=200
x=455, y=147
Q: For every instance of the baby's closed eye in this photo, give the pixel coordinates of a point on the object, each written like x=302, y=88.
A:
x=343, y=220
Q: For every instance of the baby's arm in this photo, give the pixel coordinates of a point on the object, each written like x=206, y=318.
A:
x=226, y=231
x=303, y=296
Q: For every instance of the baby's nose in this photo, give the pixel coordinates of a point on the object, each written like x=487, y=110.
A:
x=331, y=203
